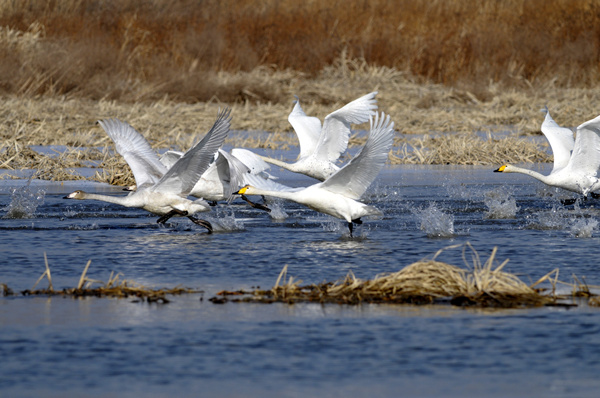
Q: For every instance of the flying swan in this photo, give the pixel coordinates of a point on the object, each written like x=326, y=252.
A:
x=338, y=194
x=575, y=170
x=161, y=191
x=320, y=146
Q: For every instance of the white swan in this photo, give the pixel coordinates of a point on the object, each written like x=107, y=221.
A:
x=162, y=194
x=580, y=173
x=338, y=194
x=225, y=175
x=321, y=147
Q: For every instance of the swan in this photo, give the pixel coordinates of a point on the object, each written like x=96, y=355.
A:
x=320, y=146
x=162, y=194
x=225, y=175
x=577, y=171
x=338, y=194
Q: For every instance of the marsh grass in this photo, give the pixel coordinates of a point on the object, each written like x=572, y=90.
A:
x=425, y=282
x=115, y=287
x=166, y=67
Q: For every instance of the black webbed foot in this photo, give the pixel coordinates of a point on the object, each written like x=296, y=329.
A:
x=202, y=223
x=256, y=205
x=170, y=214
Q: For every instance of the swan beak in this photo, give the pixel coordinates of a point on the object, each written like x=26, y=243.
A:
x=242, y=191
x=500, y=169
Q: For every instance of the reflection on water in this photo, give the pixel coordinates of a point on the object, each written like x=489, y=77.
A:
x=111, y=347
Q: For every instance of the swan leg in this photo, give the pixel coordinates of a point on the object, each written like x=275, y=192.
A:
x=256, y=205
x=356, y=221
x=212, y=202
x=202, y=223
x=568, y=202
x=170, y=214
x=595, y=195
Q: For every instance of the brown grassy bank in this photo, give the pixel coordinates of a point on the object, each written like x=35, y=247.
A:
x=144, y=50
x=166, y=67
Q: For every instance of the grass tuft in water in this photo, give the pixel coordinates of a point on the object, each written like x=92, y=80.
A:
x=115, y=287
x=425, y=282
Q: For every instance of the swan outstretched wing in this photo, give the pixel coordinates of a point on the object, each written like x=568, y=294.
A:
x=307, y=128
x=186, y=172
x=137, y=152
x=333, y=140
x=586, y=152
x=561, y=141
x=251, y=160
x=354, y=178
x=169, y=158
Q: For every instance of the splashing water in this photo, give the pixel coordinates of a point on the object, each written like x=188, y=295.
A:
x=24, y=202
x=277, y=213
x=225, y=221
x=500, y=204
x=435, y=222
x=583, y=228
x=556, y=218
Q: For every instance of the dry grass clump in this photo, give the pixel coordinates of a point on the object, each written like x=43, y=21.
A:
x=467, y=149
x=115, y=287
x=423, y=282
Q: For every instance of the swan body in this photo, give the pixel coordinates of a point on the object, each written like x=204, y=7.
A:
x=166, y=194
x=580, y=173
x=338, y=195
x=320, y=147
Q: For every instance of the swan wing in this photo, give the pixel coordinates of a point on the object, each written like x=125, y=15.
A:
x=186, y=172
x=354, y=178
x=586, y=152
x=250, y=160
x=561, y=141
x=169, y=158
x=307, y=128
x=333, y=140
x=232, y=171
x=137, y=152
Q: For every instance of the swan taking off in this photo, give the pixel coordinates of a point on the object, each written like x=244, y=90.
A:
x=338, y=194
x=321, y=147
x=575, y=170
x=160, y=191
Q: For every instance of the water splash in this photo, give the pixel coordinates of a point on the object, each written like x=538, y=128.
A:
x=500, y=203
x=24, y=202
x=435, y=222
x=225, y=221
x=583, y=228
x=277, y=213
x=556, y=218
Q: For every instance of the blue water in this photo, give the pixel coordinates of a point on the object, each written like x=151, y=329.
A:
x=53, y=346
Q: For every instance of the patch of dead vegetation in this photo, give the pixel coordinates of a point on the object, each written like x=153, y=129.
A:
x=425, y=282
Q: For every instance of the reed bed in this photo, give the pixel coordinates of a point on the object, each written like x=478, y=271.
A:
x=425, y=282
x=115, y=287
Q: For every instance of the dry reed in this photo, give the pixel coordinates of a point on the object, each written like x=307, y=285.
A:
x=115, y=287
x=424, y=282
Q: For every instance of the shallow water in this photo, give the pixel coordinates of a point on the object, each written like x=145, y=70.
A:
x=190, y=347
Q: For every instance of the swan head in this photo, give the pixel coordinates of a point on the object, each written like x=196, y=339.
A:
x=247, y=190
x=75, y=195
x=503, y=169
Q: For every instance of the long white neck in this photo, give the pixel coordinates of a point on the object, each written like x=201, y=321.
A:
x=287, y=166
x=278, y=194
x=119, y=200
x=534, y=174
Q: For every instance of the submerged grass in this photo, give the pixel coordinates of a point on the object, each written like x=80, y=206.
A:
x=115, y=287
x=424, y=282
